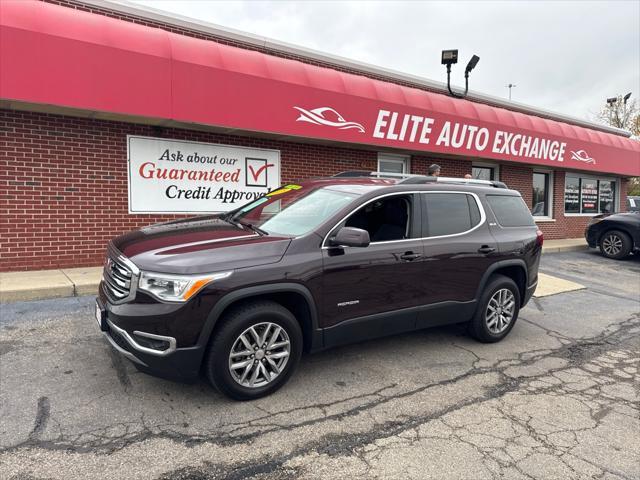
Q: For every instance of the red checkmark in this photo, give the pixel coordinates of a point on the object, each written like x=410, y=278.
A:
x=256, y=173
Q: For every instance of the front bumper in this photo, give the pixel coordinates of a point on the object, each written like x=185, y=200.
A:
x=591, y=237
x=168, y=362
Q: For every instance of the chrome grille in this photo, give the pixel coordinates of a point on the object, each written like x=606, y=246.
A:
x=119, y=277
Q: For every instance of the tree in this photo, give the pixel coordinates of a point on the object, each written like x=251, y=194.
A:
x=622, y=114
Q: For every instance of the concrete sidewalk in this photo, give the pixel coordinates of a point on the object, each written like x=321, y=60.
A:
x=40, y=284
x=70, y=282
x=565, y=245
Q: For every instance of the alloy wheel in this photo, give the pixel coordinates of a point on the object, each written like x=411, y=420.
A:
x=500, y=310
x=259, y=355
x=612, y=244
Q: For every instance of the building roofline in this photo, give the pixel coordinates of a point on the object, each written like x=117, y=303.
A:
x=177, y=20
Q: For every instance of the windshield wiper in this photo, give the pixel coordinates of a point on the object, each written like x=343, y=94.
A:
x=230, y=219
x=250, y=226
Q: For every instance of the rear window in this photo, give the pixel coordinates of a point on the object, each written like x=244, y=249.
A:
x=449, y=213
x=510, y=211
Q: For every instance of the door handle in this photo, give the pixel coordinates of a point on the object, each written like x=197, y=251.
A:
x=409, y=256
x=486, y=249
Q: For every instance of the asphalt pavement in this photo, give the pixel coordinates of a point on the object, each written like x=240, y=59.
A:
x=557, y=399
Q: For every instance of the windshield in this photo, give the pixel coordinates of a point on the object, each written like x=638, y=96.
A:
x=291, y=210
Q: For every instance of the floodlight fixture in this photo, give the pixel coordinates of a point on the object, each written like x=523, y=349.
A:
x=450, y=57
x=471, y=65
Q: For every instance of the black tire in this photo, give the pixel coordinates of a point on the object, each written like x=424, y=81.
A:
x=615, y=244
x=478, y=327
x=232, y=325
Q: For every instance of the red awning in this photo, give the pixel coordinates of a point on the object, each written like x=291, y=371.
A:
x=59, y=56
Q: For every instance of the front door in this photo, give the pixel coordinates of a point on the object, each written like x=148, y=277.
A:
x=365, y=289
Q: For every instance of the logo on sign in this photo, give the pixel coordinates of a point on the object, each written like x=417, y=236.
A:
x=582, y=156
x=257, y=172
x=327, y=116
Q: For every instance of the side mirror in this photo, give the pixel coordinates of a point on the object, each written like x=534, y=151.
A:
x=351, y=237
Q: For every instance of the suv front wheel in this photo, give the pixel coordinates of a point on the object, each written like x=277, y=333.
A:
x=497, y=310
x=615, y=244
x=255, y=350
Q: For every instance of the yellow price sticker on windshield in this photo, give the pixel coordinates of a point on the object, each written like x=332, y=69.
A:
x=285, y=189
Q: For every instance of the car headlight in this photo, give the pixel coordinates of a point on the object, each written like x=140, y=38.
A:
x=176, y=288
x=595, y=220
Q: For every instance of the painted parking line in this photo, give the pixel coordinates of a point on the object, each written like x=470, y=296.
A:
x=550, y=285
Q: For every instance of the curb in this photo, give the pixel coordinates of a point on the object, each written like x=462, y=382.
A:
x=565, y=248
x=46, y=284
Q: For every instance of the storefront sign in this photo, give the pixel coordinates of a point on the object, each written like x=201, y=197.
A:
x=462, y=137
x=175, y=176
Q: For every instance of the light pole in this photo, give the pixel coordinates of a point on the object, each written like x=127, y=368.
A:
x=510, y=86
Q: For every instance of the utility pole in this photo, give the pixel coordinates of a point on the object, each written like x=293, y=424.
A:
x=510, y=86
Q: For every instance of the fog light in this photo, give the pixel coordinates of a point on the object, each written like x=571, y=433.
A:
x=152, y=343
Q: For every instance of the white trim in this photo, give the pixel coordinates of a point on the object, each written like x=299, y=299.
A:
x=405, y=160
x=550, y=193
x=169, y=18
x=483, y=218
x=495, y=166
x=543, y=219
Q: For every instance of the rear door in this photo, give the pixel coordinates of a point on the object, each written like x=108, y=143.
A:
x=458, y=250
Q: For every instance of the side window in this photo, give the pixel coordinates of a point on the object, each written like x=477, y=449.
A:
x=449, y=213
x=510, y=211
x=385, y=219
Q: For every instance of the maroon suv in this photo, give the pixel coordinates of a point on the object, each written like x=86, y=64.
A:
x=309, y=266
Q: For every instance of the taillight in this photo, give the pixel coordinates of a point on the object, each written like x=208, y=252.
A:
x=539, y=238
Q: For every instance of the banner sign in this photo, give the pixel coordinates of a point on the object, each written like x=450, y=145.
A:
x=176, y=176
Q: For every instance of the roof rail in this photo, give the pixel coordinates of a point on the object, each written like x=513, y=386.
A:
x=353, y=173
x=471, y=181
x=415, y=179
x=368, y=173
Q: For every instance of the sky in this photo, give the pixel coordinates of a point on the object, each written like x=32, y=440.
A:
x=566, y=57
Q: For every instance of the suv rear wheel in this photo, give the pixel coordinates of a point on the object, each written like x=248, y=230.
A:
x=497, y=310
x=255, y=350
x=615, y=244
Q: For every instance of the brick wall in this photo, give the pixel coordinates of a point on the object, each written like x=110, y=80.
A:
x=64, y=183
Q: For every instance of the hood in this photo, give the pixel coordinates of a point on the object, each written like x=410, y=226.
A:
x=199, y=245
x=619, y=216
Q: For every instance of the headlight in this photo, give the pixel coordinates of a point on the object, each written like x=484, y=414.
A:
x=595, y=220
x=176, y=288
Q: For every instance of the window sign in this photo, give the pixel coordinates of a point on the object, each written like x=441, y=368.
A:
x=176, y=176
x=607, y=196
x=572, y=195
x=589, y=196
